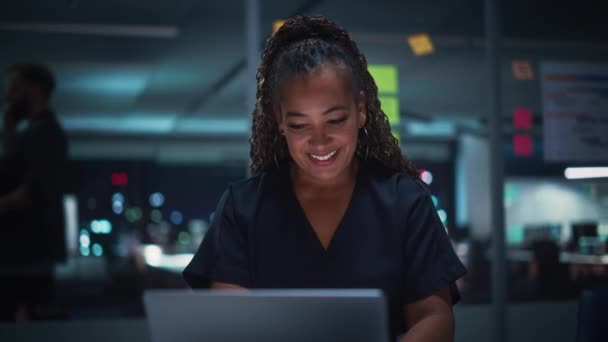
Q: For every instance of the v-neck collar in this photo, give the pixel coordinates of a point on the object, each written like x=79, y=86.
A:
x=299, y=210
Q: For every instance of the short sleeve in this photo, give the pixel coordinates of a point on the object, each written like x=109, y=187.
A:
x=429, y=262
x=223, y=255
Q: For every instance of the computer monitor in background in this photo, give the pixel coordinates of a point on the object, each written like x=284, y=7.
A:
x=584, y=236
x=544, y=231
x=584, y=229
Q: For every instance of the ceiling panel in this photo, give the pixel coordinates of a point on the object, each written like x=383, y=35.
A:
x=128, y=77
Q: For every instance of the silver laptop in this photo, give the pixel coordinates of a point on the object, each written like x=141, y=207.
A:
x=266, y=315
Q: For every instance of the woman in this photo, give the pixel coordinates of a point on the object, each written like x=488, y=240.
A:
x=332, y=203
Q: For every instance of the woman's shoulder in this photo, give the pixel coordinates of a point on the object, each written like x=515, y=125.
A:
x=242, y=198
x=400, y=183
x=250, y=189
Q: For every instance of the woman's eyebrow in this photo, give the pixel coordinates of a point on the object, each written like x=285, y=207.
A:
x=331, y=109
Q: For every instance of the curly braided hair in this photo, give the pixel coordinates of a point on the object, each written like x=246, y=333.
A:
x=301, y=44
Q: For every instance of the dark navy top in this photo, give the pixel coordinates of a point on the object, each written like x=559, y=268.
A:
x=390, y=238
x=38, y=158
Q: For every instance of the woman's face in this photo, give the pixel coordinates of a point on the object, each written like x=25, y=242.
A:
x=320, y=118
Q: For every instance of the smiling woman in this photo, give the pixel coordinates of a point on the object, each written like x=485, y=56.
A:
x=319, y=116
x=333, y=203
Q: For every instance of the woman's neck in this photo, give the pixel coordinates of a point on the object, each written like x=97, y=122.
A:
x=308, y=186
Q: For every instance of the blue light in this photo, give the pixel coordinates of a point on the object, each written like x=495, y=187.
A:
x=85, y=250
x=117, y=207
x=435, y=200
x=153, y=122
x=115, y=83
x=212, y=126
x=118, y=197
x=434, y=129
x=442, y=215
x=149, y=122
x=101, y=226
x=129, y=123
x=157, y=199
x=176, y=217
x=97, y=250
x=85, y=241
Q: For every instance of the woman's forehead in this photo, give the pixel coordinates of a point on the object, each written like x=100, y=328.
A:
x=323, y=81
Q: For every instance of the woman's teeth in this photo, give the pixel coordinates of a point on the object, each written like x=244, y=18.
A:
x=325, y=157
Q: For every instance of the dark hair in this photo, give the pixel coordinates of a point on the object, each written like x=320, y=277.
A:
x=300, y=45
x=38, y=74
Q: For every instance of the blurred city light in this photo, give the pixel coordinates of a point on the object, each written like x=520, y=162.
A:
x=176, y=217
x=156, y=216
x=117, y=207
x=119, y=179
x=426, y=177
x=97, y=250
x=184, y=238
x=133, y=214
x=85, y=240
x=435, y=200
x=443, y=216
x=152, y=255
x=157, y=199
x=118, y=197
x=101, y=226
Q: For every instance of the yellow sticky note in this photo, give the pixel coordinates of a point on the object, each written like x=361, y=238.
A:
x=420, y=44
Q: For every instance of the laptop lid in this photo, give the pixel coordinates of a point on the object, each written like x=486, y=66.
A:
x=266, y=315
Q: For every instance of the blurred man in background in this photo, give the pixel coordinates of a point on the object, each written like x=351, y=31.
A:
x=32, y=235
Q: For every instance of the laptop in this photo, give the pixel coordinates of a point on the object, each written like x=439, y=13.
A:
x=266, y=315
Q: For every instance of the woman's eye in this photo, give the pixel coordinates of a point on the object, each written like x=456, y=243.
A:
x=337, y=121
x=297, y=126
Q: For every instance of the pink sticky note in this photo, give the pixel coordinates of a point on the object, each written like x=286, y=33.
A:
x=522, y=145
x=522, y=118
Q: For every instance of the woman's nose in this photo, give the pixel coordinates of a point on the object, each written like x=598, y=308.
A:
x=319, y=137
